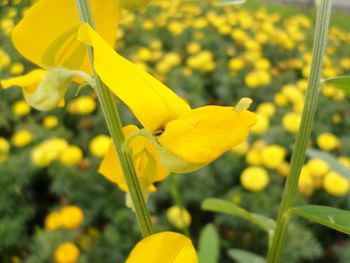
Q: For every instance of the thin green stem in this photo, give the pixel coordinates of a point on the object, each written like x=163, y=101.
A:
x=298, y=156
x=114, y=125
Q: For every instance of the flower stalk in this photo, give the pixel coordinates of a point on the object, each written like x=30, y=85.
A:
x=114, y=125
x=308, y=115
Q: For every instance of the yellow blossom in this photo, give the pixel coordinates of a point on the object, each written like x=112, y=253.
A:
x=71, y=156
x=71, y=217
x=291, y=122
x=164, y=247
x=261, y=125
x=66, y=252
x=254, y=178
x=21, y=108
x=178, y=217
x=83, y=105
x=50, y=122
x=273, y=155
x=99, y=145
x=53, y=221
x=328, y=141
x=22, y=138
x=205, y=132
x=336, y=184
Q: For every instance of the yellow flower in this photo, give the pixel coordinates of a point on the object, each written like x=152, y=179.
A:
x=164, y=247
x=71, y=217
x=53, y=221
x=328, y=141
x=317, y=167
x=56, y=48
x=187, y=139
x=50, y=122
x=146, y=161
x=22, y=138
x=66, y=253
x=335, y=184
x=241, y=149
x=48, y=151
x=21, y=108
x=254, y=178
x=261, y=125
x=267, y=109
x=306, y=184
x=178, y=217
x=291, y=122
x=273, y=156
x=253, y=157
x=83, y=105
x=99, y=145
x=71, y=156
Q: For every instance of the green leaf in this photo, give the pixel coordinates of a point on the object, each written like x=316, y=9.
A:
x=332, y=161
x=328, y=216
x=209, y=247
x=232, y=2
x=342, y=82
x=243, y=256
x=222, y=206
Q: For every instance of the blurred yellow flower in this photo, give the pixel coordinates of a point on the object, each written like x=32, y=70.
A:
x=306, y=182
x=71, y=156
x=66, y=253
x=178, y=217
x=267, y=109
x=48, y=151
x=291, y=122
x=241, y=149
x=261, y=125
x=327, y=141
x=4, y=149
x=21, y=108
x=22, y=138
x=99, y=145
x=273, y=155
x=83, y=105
x=50, y=121
x=205, y=132
x=71, y=217
x=335, y=184
x=254, y=178
x=164, y=247
x=317, y=167
x=53, y=221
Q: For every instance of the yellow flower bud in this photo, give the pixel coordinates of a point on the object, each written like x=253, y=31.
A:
x=273, y=156
x=261, y=125
x=328, y=141
x=50, y=122
x=291, y=122
x=305, y=184
x=21, y=108
x=71, y=217
x=178, y=217
x=317, y=167
x=53, y=221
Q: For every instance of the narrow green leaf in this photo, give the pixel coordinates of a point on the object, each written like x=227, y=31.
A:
x=209, y=246
x=222, y=206
x=232, y=2
x=342, y=82
x=328, y=216
x=243, y=256
x=331, y=160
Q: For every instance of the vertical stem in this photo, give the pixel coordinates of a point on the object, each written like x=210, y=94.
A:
x=298, y=157
x=114, y=125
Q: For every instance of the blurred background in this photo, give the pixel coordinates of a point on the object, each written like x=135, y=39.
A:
x=55, y=207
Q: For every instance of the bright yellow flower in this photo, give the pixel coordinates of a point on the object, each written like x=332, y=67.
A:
x=21, y=108
x=261, y=125
x=99, y=145
x=186, y=138
x=291, y=122
x=178, y=217
x=83, y=105
x=317, y=167
x=71, y=156
x=336, y=184
x=328, y=141
x=53, y=221
x=71, y=217
x=306, y=185
x=146, y=161
x=164, y=247
x=273, y=156
x=22, y=138
x=254, y=178
x=50, y=122
x=66, y=252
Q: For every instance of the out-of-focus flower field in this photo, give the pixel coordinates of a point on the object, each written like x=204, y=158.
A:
x=55, y=207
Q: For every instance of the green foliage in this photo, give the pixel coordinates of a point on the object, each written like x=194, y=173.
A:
x=209, y=245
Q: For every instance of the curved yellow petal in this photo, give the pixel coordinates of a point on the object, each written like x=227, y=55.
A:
x=47, y=35
x=29, y=81
x=142, y=151
x=152, y=102
x=164, y=247
x=203, y=134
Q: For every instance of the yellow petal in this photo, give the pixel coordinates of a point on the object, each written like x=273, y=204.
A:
x=164, y=247
x=152, y=102
x=141, y=148
x=47, y=35
x=29, y=81
x=203, y=134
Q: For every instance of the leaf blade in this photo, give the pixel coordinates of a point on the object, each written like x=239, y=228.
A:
x=209, y=245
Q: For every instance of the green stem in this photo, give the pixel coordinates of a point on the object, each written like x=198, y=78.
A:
x=114, y=125
x=298, y=157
